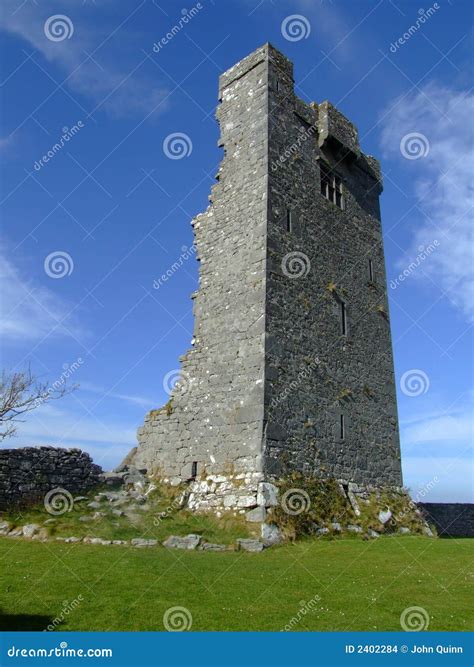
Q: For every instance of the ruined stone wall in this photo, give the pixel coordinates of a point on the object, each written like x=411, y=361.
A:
x=27, y=474
x=215, y=416
x=269, y=376
x=450, y=519
x=314, y=373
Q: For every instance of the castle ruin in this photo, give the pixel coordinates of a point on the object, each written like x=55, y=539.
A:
x=291, y=367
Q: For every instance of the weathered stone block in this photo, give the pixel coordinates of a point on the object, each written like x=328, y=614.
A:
x=250, y=545
x=267, y=495
x=189, y=542
x=256, y=515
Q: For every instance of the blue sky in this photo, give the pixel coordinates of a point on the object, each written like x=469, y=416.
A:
x=111, y=210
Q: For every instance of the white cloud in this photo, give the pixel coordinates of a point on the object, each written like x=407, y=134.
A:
x=141, y=401
x=445, y=428
x=440, y=480
x=60, y=427
x=120, y=92
x=104, y=438
x=443, y=185
x=28, y=311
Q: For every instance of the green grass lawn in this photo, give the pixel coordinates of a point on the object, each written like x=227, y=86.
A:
x=362, y=585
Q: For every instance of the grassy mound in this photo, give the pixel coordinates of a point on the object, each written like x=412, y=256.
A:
x=309, y=505
x=157, y=516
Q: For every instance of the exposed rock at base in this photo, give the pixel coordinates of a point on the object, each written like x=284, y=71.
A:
x=189, y=542
x=94, y=505
x=385, y=515
x=353, y=529
x=141, y=542
x=5, y=527
x=126, y=461
x=250, y=545
x=256, y=515
x=112, y=479
x=42, y=535
x=404, y=531
x=267, y=494
x=96, y=540
x=209, y=546
x=271, y=534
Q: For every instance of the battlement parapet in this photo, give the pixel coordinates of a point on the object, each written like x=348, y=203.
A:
x=335, y=127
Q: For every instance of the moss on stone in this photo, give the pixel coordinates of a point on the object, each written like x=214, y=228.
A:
x=167, y=409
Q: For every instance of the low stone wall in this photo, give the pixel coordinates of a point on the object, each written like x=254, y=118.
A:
x=450, y=519
x=27, y=474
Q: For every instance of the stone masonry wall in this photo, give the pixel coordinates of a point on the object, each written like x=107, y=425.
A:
x=27, y=474
x=213, y=423
x=269, y=375
x=450, y=519
x=313, y=372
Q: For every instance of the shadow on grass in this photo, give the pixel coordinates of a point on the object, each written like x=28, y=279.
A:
x=24, y=622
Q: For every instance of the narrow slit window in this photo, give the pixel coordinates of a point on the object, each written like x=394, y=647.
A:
x=278, y=86
x=343, y=313
x=331, y=186
x=371, y=271
x=289, y=220
x=194, y=470
x=342, y=427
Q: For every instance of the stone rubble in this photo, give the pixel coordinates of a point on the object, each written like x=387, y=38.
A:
x=250, y=545
x=189, y=542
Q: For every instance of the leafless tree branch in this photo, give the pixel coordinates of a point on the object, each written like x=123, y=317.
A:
x=20, y=393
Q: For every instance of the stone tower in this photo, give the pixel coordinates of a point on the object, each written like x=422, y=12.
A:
x=291, y=367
